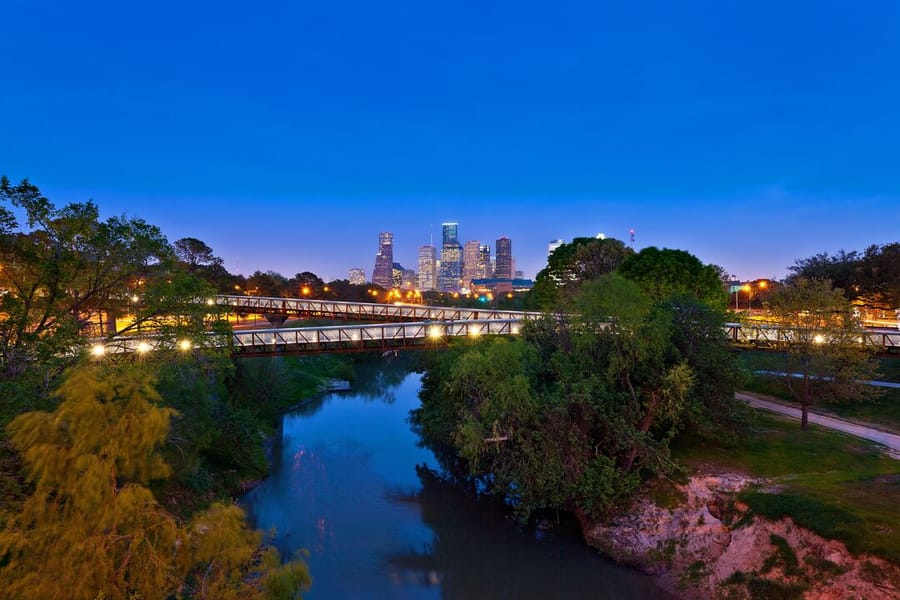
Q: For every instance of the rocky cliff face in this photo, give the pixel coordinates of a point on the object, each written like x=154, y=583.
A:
x=709, y=546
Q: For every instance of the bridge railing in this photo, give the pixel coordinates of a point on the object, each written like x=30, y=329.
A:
x=331, y=338
x=774, y=335
x=364, y=310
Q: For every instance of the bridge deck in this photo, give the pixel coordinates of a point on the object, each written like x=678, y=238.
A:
x=364, y=311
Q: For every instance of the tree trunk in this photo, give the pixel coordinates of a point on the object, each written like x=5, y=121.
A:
x=804, y=415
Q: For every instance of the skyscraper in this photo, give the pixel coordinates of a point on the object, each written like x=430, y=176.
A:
x=451, y=261
x=449, y=231
x=470, y=262
x=427, y=277
x=484, y=262
x=504, y=269
x=384, y=261
x=357, y=276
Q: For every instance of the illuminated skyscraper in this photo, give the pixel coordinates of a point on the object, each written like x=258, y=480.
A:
x=449, y=231
x=470, y=263
x=451, y=272
x=357, y=276
x=427, y=277
x=384, y=261
x=484, y=262
x=504, y=268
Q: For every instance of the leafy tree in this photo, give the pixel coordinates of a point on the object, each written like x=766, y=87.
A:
x=666, y=273
x=68, y=268
x=195, y=254
x=572, y=264
x=822, y=359
x=842, y=269
x=91, y=528
x=268, y=284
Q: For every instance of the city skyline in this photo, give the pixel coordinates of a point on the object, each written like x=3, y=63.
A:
x=749, y=136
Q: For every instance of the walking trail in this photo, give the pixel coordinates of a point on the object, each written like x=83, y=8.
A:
x=860, y=430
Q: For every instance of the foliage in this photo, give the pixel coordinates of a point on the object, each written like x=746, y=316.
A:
x=666, y=273
x=823, y=359
x=572, y=414
x=68, y=268
x=91, y=527
x=583, y=259
x=871, y=277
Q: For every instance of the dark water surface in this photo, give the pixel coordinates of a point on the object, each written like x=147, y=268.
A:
x=346, y=488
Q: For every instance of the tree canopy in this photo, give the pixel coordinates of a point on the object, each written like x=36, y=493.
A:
x=823, y=359
x=92, y=528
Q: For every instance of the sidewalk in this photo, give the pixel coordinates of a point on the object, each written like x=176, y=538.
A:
x=866, y=432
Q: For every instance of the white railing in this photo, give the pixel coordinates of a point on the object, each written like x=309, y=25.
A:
x=364, y=311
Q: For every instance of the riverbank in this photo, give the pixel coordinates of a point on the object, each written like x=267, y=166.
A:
x=707, y=543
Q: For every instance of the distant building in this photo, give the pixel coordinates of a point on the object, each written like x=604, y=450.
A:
x=356, y=276
x=553, y=245
x=451, y=268
x=427, y=276
x=450, y=233
x=519, y=275
x=471, y=257
x=485, y=268
x=403, y=278
x=504, y=268
x=383, y=274
x=501, y=285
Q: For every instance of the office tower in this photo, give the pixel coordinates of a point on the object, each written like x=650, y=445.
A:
x=427, y=276
x=484, y=262
x=470, y=262
x=356, y=276
x=504, y=268
x=553, y=245
x=451, y=259
x=451, y=272
x=449, y=231
x=384, y=261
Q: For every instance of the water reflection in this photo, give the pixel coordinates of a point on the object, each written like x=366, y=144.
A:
x=347, y=488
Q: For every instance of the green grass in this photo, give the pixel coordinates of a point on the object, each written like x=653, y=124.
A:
x=883, y=410
x=838, y=486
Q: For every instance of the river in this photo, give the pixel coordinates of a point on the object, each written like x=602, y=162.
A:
x=346, y=488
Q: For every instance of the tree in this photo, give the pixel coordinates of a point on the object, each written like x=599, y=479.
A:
x=823, y=359
x=666, y=273
x=195, y=254
x=68, y=269
x=269, y=284
x=92, y=528
x=572, y=264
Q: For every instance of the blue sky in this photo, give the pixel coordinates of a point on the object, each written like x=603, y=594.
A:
x=288, y=134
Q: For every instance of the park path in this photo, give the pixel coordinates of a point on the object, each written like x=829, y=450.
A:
x=860, y=430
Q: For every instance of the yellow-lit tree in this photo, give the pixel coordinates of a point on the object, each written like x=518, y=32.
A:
x=92, y=528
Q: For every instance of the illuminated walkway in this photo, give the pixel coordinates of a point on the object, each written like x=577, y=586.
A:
x=362, y=311
x=382, y=337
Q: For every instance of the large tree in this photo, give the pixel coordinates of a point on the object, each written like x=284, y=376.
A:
x=822, y=357
x=91, y=527
x=663, y=273
x=572, y=264
x=67, y=269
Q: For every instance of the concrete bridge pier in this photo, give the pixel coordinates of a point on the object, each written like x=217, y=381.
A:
x=276, y=320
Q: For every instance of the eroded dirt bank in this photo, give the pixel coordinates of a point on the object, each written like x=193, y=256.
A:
x=708, y=545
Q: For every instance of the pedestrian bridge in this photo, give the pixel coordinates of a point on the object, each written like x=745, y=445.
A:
x=384, y=337
x=380, y=337
x=361, y=311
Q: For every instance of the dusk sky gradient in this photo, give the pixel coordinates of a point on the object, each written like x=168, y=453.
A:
x=287, y=135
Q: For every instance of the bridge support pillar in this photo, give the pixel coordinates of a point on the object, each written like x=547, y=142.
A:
x=276, y=320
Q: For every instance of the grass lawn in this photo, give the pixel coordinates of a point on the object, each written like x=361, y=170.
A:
x=884, y=410
x=836, y=485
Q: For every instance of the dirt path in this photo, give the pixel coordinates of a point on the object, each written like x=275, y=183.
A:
x=866, y=432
